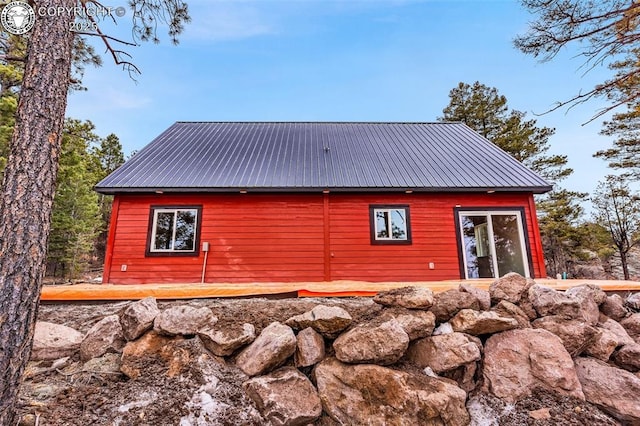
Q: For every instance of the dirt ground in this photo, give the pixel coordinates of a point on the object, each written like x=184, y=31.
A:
x=67, y=394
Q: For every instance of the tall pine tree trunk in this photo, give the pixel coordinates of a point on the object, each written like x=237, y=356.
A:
x=27, y=194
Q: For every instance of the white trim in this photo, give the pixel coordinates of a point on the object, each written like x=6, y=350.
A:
x=152, y=243
x=494, y=260
x=389, y=224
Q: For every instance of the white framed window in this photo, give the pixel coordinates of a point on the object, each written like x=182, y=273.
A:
x=492, y=243
x=390, y=224
x=174, y=230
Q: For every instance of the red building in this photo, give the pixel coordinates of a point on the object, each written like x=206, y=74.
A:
x=281, y=202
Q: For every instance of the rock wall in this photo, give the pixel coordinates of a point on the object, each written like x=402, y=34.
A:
x=425, y=359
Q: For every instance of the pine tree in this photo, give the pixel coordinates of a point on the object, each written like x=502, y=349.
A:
x=484, y=110
x=76, y=217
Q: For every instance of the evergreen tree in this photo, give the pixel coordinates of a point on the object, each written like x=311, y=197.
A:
x=484, y=110
x=76, y=217
x=107, y=157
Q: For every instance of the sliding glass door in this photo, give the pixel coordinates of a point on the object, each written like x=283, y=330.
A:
x=493, y=243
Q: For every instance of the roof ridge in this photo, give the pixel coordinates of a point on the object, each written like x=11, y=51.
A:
x=316, y=122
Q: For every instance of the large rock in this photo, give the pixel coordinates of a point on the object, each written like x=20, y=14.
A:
x=632, y=325
x=509, y=310
x=614, y=308
x=138, y=317
x=517, y=361
x=406, y=297
x=576, y=335
x=618, y=330
x=375, y=395
x=548, y=301
x=271, y=349
x=510, y=287
x=477, y=323
x=633, y=301
x=166, y=352
x=53, y=341
x=613, y=390
x=448, y=303
x=225, y=341
x=483, y=296
x=105, y=336
x=628, y=357
x=415, y=323
x=309, y=348
x=603, y=345
x=183, y=320
x=444, y=352
x=590, y=297
x=377, y=342
x=326, y=320
x=285, y=397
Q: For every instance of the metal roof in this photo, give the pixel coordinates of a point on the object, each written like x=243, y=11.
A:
x=297, y=156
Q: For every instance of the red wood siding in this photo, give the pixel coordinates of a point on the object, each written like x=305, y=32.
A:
x=301, y=237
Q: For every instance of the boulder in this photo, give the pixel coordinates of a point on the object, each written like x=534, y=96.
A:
x=326, y=320
x=576, y=335
x=444, y=352
x=509, y=310
x=590, y=297
x=618, y=330
x=415, y=323
x=105, y=336
x=406, y=297
x=225, y=341
x=603, y=345
x=628, y=357
x=448, y=303
x=53, y=341
x=138, y=317
x=381, y=342
x=548, y=301
x=510, y=287
x=632, y=325
x=613, y=390
x=309, y=348
x=270, y=350
x=166, y=352
x=483, y=296
x=517, y=361
x=444, y=328
x=477, y=323
x=614, y=308
x=376, y=395
x=285, y=397
x=633, y=301
x=183, y=320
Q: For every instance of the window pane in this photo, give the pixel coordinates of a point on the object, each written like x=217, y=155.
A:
x=508, y=245
x=475, y=238
x=382, y=220
x=185, y=230
x=164, y=231
x=399, y=224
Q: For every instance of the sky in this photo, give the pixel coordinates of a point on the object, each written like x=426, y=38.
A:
x=339, y=60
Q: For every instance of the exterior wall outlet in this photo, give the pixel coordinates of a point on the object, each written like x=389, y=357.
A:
x=123, y=268
x=432, y=265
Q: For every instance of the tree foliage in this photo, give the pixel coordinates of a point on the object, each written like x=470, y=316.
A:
x=483, y=109
x=76, y=217
x=606, y=32
x=617, y=208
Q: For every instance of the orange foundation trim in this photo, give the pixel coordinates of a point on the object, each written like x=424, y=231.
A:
x=302, y=289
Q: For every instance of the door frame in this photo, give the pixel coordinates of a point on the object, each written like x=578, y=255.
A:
x=487, y=210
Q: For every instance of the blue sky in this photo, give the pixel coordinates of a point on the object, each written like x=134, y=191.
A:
x=339, y=60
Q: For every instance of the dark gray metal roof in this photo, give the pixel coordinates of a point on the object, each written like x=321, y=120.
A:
x=268, y=157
